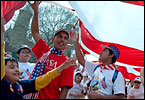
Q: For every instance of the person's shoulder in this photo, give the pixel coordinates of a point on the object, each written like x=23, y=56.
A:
x=82, y=85
x=63, y=57
x=32, y=64
x=119, y=73
x=94, y=63
x=4, y=81
x=132, y=89
x=26, y=81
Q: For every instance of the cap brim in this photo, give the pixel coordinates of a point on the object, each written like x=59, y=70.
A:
x=61, y=30
x=105, y=46
x=27, y=48
x=24, y=48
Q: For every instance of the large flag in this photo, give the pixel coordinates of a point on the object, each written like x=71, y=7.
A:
x=8, y=8
x=113, y=22
x=120, y=23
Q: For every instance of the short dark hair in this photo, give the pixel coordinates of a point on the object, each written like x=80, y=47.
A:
x=80, y=75
x=113, y=58
x=11, y=59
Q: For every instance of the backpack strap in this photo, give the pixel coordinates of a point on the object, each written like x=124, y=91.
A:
x=114, y=78
x=115, y=75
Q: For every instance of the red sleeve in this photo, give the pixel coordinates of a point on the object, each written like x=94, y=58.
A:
x=40, y=47
x=66, y=77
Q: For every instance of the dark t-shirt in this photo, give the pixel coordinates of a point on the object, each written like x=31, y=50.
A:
x=28, y=86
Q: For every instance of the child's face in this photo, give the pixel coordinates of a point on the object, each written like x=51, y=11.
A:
x=78, y=78
x=104, y=55
x=12, y=73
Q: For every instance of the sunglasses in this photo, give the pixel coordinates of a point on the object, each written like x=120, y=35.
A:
x=137, y=82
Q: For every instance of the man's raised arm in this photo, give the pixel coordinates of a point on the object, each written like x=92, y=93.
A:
x=34, y=25
x=79, y=54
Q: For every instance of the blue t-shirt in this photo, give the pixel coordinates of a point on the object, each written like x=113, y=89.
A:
x=28, y=86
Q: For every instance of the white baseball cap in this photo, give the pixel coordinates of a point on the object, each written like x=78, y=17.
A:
x=137, y=79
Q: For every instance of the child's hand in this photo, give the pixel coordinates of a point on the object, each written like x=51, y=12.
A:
x=66, y=64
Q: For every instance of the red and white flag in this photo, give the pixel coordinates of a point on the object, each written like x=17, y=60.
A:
x=117, y=23
x=8, y=8
x=120, y=23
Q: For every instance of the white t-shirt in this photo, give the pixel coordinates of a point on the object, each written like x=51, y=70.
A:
x=137, y=93
x=102, y=81
x=128, y=88
x=26, y=69
x=77, y=88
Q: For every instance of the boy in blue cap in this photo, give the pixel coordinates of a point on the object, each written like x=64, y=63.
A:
x=106, y=81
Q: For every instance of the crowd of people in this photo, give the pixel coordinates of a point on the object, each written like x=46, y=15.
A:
x=54, y=75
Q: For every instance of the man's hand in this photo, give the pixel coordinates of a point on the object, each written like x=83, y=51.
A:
x=35, y=5
x=66, y=64
x=94, y=95
x=73, y=36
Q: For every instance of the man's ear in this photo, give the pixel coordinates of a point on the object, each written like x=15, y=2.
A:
x=111, y=55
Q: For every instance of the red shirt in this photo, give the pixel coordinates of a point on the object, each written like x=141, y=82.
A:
x=51, y=91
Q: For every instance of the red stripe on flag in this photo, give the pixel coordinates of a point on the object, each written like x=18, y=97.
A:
x=137, y=69
x=136, y=2
x=128, y=55
x=9, y=7
x=84, y=51
x=125, y=73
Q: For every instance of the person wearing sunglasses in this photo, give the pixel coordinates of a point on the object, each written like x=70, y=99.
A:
x=137, y=91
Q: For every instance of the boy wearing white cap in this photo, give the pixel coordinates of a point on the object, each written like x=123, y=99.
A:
x=137, y=91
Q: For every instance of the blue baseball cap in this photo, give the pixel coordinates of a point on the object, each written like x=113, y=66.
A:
x=114, y=49
x=23, y=47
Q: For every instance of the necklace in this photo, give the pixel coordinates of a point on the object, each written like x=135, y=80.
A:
x=20, y=89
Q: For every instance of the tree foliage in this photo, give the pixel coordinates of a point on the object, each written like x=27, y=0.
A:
x=51, y=18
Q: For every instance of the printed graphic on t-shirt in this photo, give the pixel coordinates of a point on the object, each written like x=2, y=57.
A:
x=24, y=73
x=103, y=83
x=51, y=64
x=97, y=83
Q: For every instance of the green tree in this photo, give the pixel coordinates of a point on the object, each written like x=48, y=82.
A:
x=51, y=18
x=18, y=35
